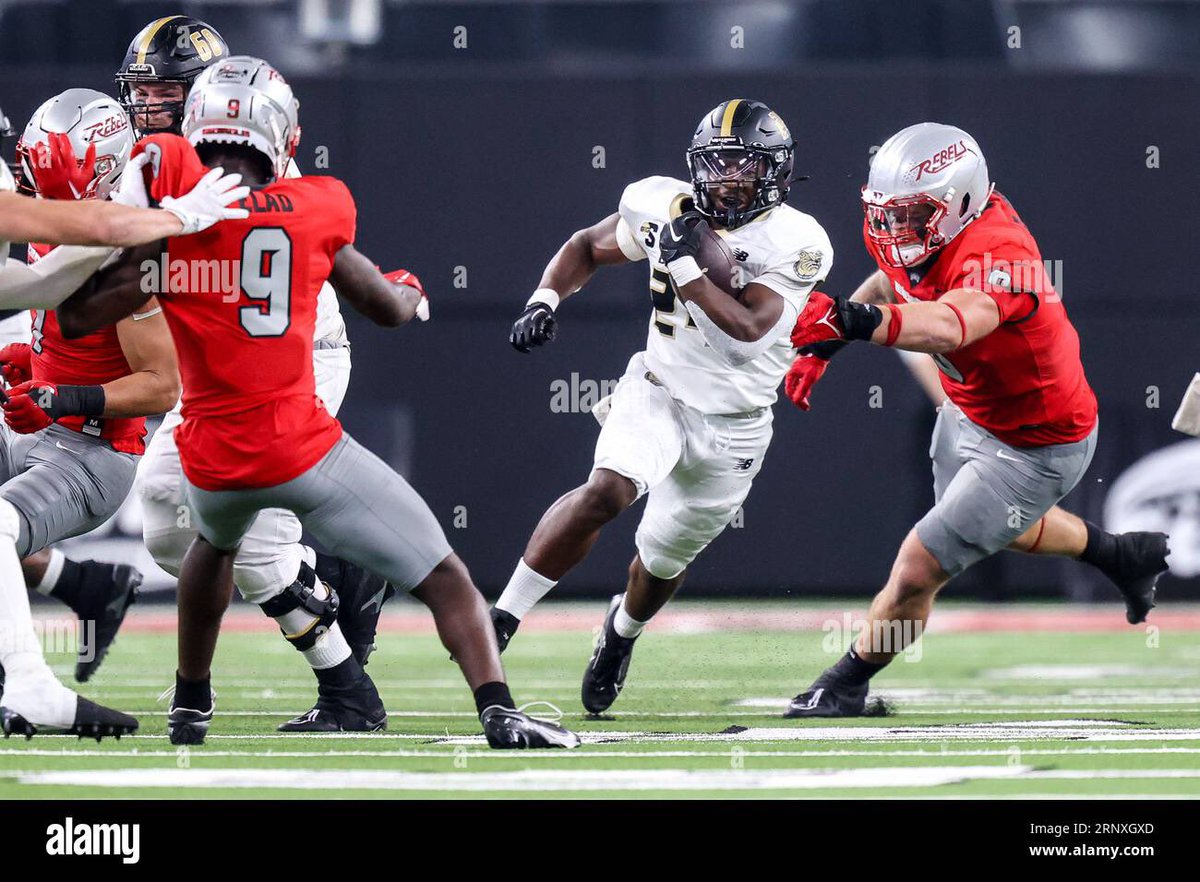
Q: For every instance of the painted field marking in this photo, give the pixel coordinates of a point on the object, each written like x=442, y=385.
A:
x=433, y=753
x=542, y=780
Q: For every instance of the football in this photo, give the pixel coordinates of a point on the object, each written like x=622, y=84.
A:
x=718, y=262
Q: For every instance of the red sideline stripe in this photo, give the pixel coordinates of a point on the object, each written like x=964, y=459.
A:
x=578, y=618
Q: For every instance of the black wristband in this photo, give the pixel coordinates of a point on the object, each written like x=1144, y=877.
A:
x=81, y=401
x=859, y=320
x=826, y=349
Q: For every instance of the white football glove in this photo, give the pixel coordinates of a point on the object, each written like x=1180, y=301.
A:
x=208, y=202
x=131, y=190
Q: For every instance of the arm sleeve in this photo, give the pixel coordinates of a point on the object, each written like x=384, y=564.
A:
x=738, y=352
x=627, y=226
x=1013, y=276
x=50, y=280
x=628, y=244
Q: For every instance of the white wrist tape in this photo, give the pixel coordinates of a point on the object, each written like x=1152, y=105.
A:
x=1187, y=418
x=684, y=270
x=547, y=296
x=738, y=352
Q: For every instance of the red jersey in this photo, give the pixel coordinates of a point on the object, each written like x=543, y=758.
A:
x=92, y=360
x=241, y=301
x=1023, y=382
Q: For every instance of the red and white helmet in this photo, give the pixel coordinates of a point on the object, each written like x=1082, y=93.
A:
x=243, y=100
x=927, y=182
x=88, y=118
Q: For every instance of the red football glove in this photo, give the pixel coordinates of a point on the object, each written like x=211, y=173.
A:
x=817, y=323
x=23, y=411
x=404, y=277
x=57, y=173
x=826, y=319
x=15, y=364
x=802, y=376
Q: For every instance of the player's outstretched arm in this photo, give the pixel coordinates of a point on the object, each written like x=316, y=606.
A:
x=91, y=222
x=572, y=266
x=113, y=293
x=958, y=319
x=360, y=283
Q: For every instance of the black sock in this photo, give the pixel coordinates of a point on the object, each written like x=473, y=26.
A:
x=70, y=585
x=492, y=693
x=346, y=674
x=853, y=670
x=1102, y=550
x=193, y=694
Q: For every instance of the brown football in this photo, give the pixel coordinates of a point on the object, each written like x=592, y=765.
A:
x=717, y=261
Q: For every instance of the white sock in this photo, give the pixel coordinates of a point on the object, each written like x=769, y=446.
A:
x=53, y=571
x=524, y=590
x=20, y=648
x=330, y=649
x=624, y=624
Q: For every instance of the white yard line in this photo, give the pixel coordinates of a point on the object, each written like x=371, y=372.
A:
x=529, y=781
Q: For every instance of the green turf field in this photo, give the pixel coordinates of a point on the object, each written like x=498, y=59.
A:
x=983, y=714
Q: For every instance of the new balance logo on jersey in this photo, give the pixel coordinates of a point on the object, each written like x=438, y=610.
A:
x=743, y=465
x=740, y=254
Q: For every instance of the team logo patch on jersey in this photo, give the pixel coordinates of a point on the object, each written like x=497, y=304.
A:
x=999, y=278
x=809, y=264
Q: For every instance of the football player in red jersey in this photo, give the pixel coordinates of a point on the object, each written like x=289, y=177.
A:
x=1020, y=426
x=61, y=484
x=254, y=434
x=161, y=64
x=34, y=700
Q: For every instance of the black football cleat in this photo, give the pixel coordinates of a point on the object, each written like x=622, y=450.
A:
x=829, y=697
x=186, y=725
x=608, y=666
x=361, y=595
x=509, y=729
x=1143, y=559
x=506, y=625
x=357, y=709
x=91, y=721
x=109, y=591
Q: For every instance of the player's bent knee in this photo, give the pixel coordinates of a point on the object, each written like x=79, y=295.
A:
x=605, y=495
x=916, y=572
x=660, y=563
x=261, y=574
x=168, y=548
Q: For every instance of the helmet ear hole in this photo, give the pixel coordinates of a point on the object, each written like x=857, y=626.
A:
x=965, y=204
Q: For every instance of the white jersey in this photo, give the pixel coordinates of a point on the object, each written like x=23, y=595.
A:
x=783, y=248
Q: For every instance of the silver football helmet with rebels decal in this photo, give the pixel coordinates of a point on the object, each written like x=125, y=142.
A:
x=927, y=182
x=89, y=119
x=243, y=100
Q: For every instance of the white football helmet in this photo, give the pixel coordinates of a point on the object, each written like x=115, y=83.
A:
x=88, y=118
x=243, y=100
x=926, y=183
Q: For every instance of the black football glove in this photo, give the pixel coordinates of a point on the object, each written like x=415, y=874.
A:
x=681, y=237
x=536, y=327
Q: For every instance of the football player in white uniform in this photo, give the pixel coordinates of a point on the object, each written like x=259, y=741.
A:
x=273, y=569
x=690, y=421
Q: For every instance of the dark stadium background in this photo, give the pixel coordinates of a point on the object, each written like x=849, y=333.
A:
x=481, y=159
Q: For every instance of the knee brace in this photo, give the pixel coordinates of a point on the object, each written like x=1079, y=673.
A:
x=302, y=613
